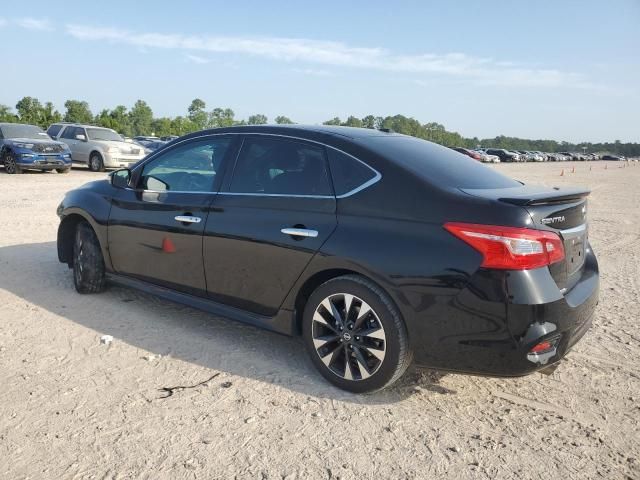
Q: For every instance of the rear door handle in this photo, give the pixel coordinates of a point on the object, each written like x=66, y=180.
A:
x=300, y=232
x=187, y=219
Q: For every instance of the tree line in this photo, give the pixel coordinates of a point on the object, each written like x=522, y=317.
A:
x=139, y=120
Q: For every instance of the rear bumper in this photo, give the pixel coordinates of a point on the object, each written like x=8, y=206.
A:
x=490, y=327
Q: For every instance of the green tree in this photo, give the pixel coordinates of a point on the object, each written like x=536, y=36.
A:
x=198, y=114
x=141, y=117
x=257, y=119
x=50, y=115
x=6, y=115
x=220, y=117
x=182, y=126
x=30, y=111
x=77, y=112
x=353, y=122
x=282, y=120
x=162, y=126
x=333, y=121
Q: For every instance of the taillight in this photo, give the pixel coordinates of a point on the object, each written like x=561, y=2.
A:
x=510, y=248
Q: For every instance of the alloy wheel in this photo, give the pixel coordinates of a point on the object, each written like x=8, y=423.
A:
x=10, y=164
x=348, y=336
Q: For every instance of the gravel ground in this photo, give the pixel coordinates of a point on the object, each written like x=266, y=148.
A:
x=250, y=404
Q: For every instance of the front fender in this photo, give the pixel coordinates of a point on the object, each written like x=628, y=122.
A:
x=90, y=203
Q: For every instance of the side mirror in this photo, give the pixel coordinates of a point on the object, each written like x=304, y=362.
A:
x=82, y=138
x=120, y=178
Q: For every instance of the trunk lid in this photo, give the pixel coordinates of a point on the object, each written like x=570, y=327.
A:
x=561, y=210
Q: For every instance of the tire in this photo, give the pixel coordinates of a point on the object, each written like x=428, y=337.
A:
x=96, y=163
x=88, y=264
x=352, y=362
x=10, y=165
x=63, y=170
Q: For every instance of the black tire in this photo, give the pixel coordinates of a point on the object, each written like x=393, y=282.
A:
x=88, y=264
x=63, y=170
x=397, y=355
x=96, y=164
x=10, y=165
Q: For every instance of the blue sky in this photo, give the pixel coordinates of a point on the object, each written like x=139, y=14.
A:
x=566, y=70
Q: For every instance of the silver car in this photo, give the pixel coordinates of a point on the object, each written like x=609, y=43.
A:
x=99, y=147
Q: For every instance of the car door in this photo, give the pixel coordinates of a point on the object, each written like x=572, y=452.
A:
x=155, y=227
x=82, y=147
x=274, y=212
x=68, y=136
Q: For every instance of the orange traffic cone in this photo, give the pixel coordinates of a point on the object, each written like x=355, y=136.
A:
x=574, y=170
x=605, y=167
x=562, y=173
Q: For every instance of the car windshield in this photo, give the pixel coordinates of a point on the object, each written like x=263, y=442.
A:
x=24, y=131
x=437, y=164
x=103, y=134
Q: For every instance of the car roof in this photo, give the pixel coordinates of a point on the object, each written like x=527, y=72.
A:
x=5, y=124
x=301, y=131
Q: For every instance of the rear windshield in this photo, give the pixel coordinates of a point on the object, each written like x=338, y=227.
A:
x=437, y=164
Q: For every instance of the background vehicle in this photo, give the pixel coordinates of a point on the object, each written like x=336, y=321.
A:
x=99, y=147
x=28, y=147
x=469, y=153
x=322, y=231
x=613, y=157
x=168, y=138
x=504, y=155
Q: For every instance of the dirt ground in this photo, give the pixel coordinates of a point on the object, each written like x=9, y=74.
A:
x=253, y=406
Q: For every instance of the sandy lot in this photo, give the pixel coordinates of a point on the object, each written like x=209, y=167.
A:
x=73, y=408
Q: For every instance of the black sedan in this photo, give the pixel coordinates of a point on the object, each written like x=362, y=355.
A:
x=378, y=248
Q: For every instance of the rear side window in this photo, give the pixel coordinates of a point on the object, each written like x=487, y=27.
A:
x=439, y=165
x=348, y=173
x=53, y=130
x=280, y=167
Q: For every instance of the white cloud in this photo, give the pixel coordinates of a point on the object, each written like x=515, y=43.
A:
x=196, y=59
x=3, y=22
x=483, y=71
x=41, y=24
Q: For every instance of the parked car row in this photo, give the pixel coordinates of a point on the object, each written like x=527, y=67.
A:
x=497, y=155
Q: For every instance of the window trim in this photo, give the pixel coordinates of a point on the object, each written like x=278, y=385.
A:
x=367, y=184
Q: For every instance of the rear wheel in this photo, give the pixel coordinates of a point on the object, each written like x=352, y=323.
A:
x=355, y=335
x=10, y=165
x=88, y=264
x=95, y=162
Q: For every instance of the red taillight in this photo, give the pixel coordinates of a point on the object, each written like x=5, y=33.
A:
x=475, y=156
x=510, y=248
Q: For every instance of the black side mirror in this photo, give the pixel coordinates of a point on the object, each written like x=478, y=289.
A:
x=120, y=178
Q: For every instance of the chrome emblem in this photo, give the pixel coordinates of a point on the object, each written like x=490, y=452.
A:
x=550, y=220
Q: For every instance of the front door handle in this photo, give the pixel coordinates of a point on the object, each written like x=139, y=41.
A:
x=187, y=219
x=300, y=232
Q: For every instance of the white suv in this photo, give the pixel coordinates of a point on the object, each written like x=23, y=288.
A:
x=98, y=147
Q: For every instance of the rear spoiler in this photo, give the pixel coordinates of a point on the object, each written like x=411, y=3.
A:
x=531, y=194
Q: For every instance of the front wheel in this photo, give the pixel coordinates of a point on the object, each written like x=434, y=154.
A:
x=63, y=170
x=95, y=163
x=355, y=335
x=10, y=165
x=88, y=263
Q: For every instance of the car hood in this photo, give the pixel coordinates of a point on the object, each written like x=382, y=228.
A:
x=123, y=146
x=35, y=141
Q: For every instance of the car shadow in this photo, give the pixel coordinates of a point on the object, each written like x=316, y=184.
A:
x=33, y=273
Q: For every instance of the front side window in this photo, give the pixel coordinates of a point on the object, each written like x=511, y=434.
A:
x=272, y=166
x=70, y=133
x=190, y=167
